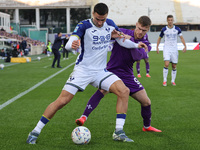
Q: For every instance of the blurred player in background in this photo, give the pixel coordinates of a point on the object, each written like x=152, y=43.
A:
x=55, y=48
x=65, y=51
x=121, y=63
x=170, y=50
x=146, y=60
x=49, y=50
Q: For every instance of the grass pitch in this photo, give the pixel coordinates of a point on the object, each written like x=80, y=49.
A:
x=175, y=110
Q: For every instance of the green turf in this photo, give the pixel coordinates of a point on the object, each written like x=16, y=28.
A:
x=175, y=110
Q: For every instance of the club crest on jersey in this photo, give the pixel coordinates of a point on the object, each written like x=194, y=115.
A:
x=108, y=29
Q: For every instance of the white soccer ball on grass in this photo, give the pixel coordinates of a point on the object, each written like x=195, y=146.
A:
x=2, y=66
x=81, y=135
x=38, y=58
x=27, y=60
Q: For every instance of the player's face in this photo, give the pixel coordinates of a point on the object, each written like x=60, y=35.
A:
x=60, y=34
x=140, y=31
x=170, y=21
x=99, y=20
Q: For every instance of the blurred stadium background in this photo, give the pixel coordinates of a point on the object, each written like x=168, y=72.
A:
x=41, y=20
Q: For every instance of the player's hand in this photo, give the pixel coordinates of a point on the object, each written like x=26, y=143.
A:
x=117, y=34
x=157, y=49
x=75, y=44
x=142, y=45
x=126, y=36
x=184, y=49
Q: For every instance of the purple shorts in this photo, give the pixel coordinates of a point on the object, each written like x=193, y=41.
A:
x=131, y=82
x=145, y=55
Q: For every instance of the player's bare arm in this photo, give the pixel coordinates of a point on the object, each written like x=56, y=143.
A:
x=158, y=42
x=183, y=41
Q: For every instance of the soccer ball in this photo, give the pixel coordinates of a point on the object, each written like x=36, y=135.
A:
x=2, y=66
x=38, y=58
x=81, y=135
x=27, y=60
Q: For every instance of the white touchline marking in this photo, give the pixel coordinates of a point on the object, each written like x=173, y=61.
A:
x=32, y=88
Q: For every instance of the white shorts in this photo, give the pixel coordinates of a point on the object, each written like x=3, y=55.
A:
x=80, y=78
x=170, y=56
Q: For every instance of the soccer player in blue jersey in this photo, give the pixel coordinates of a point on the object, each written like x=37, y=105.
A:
x=90, y=68
x=121, y=63
x=170, y=50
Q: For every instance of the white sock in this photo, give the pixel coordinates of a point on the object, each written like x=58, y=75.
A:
x=165, y=73
x=146, y=127
x=119, y=124
x=39, y=126
x=173, y=75
x=84, y=116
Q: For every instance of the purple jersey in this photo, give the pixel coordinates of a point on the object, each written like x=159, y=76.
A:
x=145, y=40
x=122, y=59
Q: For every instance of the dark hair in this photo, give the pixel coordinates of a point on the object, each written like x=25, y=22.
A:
x=144, y=21
x=58, y=33
x=170, y=16
x=101, y=9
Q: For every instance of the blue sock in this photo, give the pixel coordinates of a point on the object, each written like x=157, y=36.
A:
x=41, y=123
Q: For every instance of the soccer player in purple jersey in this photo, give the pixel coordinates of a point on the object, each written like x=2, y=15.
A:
x=142, y=37
x=121, y=63
x=146, y=60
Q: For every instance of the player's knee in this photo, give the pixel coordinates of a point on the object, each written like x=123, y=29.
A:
x=104, y=92
x=138, y=61
x=62, y=102
x=146, y=60
x=124, y=91
x=146, y=103
x=63, y=99
x=174, y=66
x=127, y=90
x=166, y=66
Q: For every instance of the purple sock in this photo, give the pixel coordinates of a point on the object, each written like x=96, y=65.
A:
x=93, y=102
x=147, y=67
x=138, y=68
x=146, y=115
